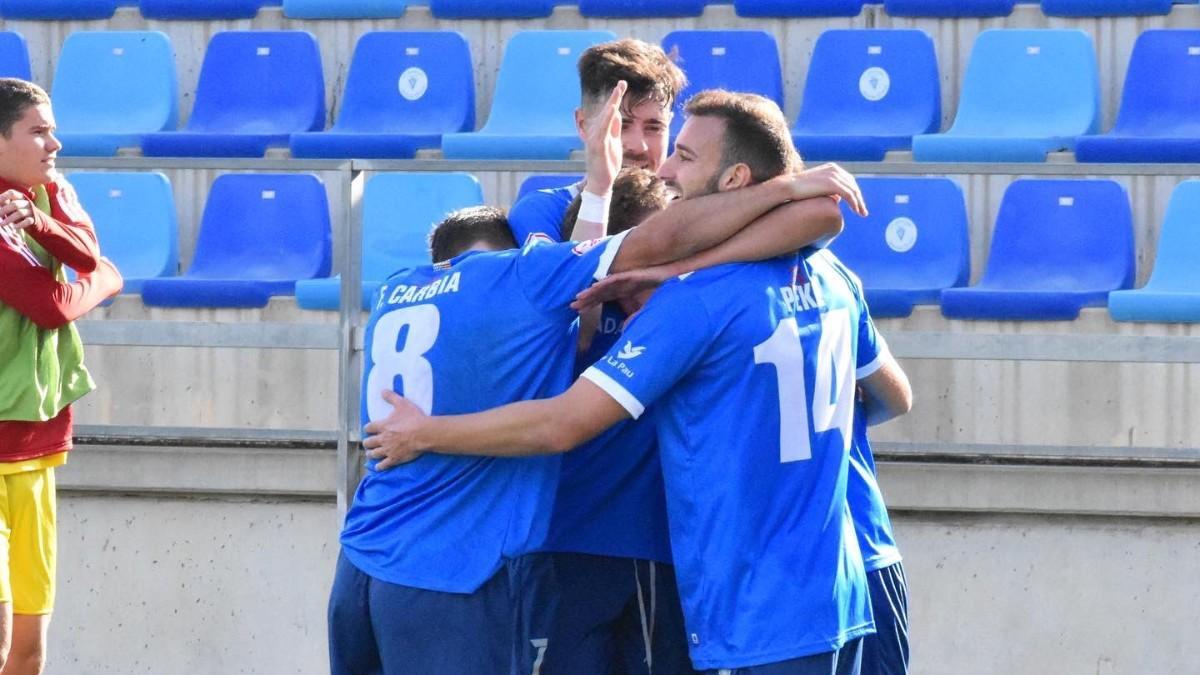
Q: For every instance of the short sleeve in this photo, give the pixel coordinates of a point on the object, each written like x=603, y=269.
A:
x=660, y=345
x=872, y=348
x=551, y=275
x=540, y=214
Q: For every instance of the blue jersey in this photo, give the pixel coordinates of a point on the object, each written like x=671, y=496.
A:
x=751, y=368
x=482, y=330
x=540, y=213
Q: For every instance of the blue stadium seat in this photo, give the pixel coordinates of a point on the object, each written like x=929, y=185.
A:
x=113, y=87
x=913, y=244
x=398, y=211
x=868, y=91
x=491, y=9
x=256, y=89
x=784, y=8
x=641, y=8
x=55, y=10
x=546, y=181
x=260, y=234
x=1025, y=93
x=14, y=56
x=533, y=108
x=1058, y=246
x=948, y=8
x=1106, y=7
x=1173, y=292
x=134, y=215
x=201, y=9
x=343, y=9
x=404, y=90
x=1159, y=120
x=720, y=59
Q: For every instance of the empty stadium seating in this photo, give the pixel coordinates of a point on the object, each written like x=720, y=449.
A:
x=491, y=9
x=134, y=215
x=57, y=9
x=948, y=8
x=404, y=90
x=1173, y=292
x=867, y=92
x=537, y=91
x=1025, y=93
x=719, y=58
x=766, y=8
x=256, y=89
x=260, y=233
x=1105, y=7
x=1058, y=246
x=545, y=181
x=193, y=9
x=1159, y=119
x=641, y=8
x=911, y=246
x=343, y=9
x=113, y=87
x=398, y=211
x=14, y=55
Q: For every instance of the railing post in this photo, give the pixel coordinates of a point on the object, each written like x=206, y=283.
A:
x=349, y=460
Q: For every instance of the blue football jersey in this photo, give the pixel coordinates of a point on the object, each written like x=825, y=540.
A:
x=482, y=330
x=751, y=369
x=540, y=213
x=871, y=521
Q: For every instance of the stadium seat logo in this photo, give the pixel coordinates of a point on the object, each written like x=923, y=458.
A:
x=874, y=83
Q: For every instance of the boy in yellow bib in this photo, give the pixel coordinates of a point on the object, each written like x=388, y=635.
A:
x=42, y=229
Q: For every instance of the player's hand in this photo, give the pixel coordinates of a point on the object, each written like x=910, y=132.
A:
x=392, y=439
x=623, y=285
x=828, y=180
x=16, y=211
x=603, y=143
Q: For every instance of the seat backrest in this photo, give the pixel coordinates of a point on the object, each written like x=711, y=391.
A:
x=134, y=215
x=546, y=181
x=409, y=82
x=1175, y=265
x=914, y=237
x=265, y=227
x=1162, y=85
x=491, y=9
x=872, y=81
x=57, y=9
x=1108, y=7
x=722, y=59
x=399, y=209
x=937, y=8
x=14, y=56
x=794, y=8
x=1030, y=83
x=260, y=82
x=196, y=9
x=116, y=82
x=1062, y=235
x=640, y=8
x=537, y=89
x=343, y=9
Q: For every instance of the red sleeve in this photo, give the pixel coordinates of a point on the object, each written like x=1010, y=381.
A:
x=70, y=237
x=34, y=292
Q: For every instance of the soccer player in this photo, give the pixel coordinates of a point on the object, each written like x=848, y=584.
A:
x=751, y=368
x=42, y=229
x=430, y=574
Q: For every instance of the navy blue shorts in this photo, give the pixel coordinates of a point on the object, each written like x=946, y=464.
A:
x=845, y=661
x=599, y=628
x=376, y=627
x=886, y=652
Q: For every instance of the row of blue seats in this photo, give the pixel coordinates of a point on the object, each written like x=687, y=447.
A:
x=1025, y=93
x=1057, y=245
x=510, y=9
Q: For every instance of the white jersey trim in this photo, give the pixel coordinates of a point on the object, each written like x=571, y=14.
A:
x=868, y=370
x=611, y=248
x=618, y=393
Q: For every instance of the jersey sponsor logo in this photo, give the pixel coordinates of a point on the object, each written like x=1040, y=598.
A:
x=403, y=294
x=629, y=351
x=584, y=246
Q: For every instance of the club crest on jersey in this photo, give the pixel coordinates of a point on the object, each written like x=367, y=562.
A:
x=585, y=246
x=535, y=239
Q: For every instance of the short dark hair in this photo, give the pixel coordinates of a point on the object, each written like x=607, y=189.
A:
x=637, y=193
x=464, y=228
x=756, y=132
x=645, y=67
x=16, y=96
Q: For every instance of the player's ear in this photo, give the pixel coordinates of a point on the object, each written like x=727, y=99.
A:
x=736, y=176
x=581, y=122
